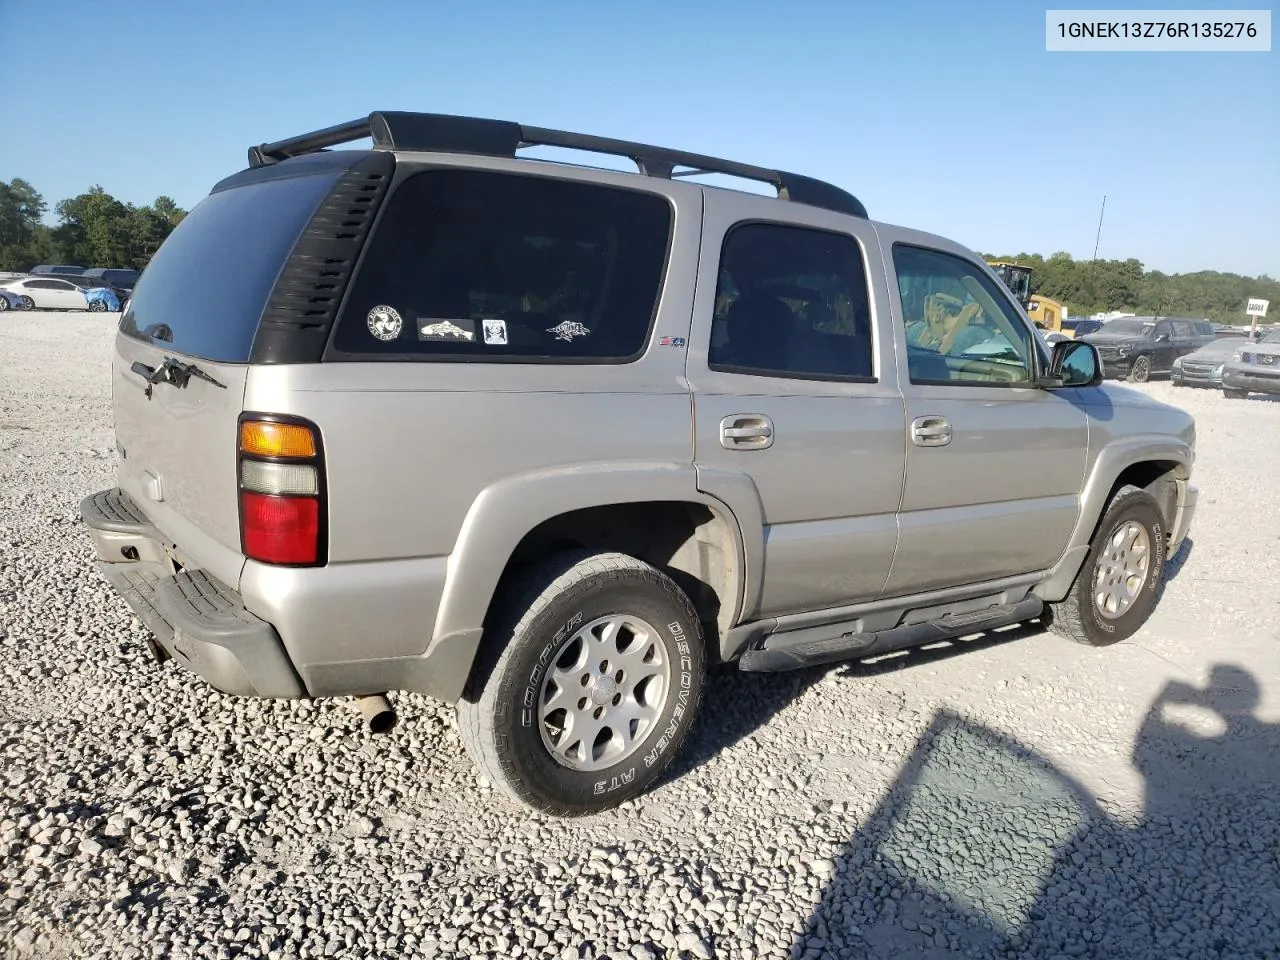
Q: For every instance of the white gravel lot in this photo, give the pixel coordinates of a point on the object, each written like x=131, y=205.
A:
x=1014, y=796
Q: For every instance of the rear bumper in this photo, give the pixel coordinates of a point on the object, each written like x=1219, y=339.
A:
x=194, y=618
x=340, y=630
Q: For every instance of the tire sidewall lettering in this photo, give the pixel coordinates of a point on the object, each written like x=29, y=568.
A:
x=678, y=637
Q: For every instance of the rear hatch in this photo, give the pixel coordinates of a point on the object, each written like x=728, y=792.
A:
x=200, y=301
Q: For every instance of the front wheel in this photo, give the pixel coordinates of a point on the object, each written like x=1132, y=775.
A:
x=4, y=304
x=1140, y=372
x=1234, y=394
x=1117, y=586
x=587, y=684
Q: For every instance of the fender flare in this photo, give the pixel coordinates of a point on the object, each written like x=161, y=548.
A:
x=504, y=512
x=1112, y=461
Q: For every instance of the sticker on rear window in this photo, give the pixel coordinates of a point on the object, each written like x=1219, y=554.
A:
x=567, y=330
x=385, y=322
x=446, y=330
x=495, y=332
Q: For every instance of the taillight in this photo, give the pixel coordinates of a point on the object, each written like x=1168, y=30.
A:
x=281, y=490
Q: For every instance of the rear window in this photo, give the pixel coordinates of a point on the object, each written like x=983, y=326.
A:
x=488, y=266
x=203, y=292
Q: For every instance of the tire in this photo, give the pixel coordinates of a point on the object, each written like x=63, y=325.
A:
x=28, y=303
x=1140, y=372
x=541, y=626
x=1234, y=394
x=1080, y=616
x=97, y=306
x=4, y=304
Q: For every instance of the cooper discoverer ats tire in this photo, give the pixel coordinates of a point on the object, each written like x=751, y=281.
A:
x=587, y=683
x=1116, y=589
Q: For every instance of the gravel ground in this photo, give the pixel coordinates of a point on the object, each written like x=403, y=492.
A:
x=1012, y=796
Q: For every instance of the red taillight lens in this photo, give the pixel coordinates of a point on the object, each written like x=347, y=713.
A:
x=280, y=529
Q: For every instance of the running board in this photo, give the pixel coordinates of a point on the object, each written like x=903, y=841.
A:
x=834, y=642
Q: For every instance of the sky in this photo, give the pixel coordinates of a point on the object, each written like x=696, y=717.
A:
x=948, y=117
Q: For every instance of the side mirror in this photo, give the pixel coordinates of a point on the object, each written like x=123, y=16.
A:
x=1074, y=364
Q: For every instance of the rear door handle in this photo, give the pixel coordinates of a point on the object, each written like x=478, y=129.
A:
x=931, y=431
x=746, y=431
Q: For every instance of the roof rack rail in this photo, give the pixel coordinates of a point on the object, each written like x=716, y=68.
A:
x=395, y=130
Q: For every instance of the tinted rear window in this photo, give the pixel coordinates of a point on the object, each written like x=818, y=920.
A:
x=203, y=292
x=489, y=266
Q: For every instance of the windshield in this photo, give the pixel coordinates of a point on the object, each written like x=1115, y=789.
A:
x=1272, y=337
x=1130, y=327
x=1017, y=280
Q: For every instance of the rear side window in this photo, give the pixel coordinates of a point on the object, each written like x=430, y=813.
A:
x=791, y=302
x=488, y=266
x=203, y=292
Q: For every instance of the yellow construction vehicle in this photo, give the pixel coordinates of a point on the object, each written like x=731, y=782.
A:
x=1044, y=313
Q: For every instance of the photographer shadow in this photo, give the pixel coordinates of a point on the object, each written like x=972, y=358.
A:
x=984, y=849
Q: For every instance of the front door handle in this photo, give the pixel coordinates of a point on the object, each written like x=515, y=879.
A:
x=932, y=431
x=746, y=431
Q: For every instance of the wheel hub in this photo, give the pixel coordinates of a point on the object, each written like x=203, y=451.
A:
x=603, y=693
x=1121, y=569
x=603, y=690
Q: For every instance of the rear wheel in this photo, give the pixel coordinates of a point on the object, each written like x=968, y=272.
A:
x=1117, y=586
x=28, y=303
x=97, y=306
x=587, y=684
x=1140, y=372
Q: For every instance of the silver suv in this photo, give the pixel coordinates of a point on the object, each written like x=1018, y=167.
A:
x=547, y=441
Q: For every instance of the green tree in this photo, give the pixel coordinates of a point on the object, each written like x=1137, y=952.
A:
x=96, y=229
x=22, y=235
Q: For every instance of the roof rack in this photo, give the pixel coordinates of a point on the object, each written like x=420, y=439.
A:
x=395, y=130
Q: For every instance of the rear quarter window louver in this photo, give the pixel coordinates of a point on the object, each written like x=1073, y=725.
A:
x=304, y=302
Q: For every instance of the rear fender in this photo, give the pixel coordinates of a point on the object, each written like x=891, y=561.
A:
x=503, y=513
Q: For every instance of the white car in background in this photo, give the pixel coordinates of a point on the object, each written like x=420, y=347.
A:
x=48, y=293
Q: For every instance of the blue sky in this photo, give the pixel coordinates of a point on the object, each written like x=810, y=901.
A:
x=943, y=116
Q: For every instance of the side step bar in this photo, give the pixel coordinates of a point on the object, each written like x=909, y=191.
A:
x=834, y=642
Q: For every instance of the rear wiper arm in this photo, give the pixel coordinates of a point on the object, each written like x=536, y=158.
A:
x=172, y=371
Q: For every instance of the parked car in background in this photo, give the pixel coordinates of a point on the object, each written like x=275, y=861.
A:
x=96, y=283
x=11, y=301
x=53, y=293
x=58, y=268
x=1203, y=367
x=117, y=279
x=1137, y=347
x=1254, y=368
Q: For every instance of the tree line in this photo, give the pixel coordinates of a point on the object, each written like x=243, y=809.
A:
x=94, y=228
x=1097, y=286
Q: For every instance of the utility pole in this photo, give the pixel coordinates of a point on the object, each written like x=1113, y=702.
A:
x=1093, y=290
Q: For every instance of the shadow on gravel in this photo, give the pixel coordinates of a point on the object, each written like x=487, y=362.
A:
x=734, y=706
x=984, y=849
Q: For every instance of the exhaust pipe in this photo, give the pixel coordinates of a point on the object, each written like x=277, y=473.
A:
x=379, y=715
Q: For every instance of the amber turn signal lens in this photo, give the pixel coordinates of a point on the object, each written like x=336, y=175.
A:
x=265, y=439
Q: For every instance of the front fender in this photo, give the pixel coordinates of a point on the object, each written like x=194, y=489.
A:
x=1112, y=461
